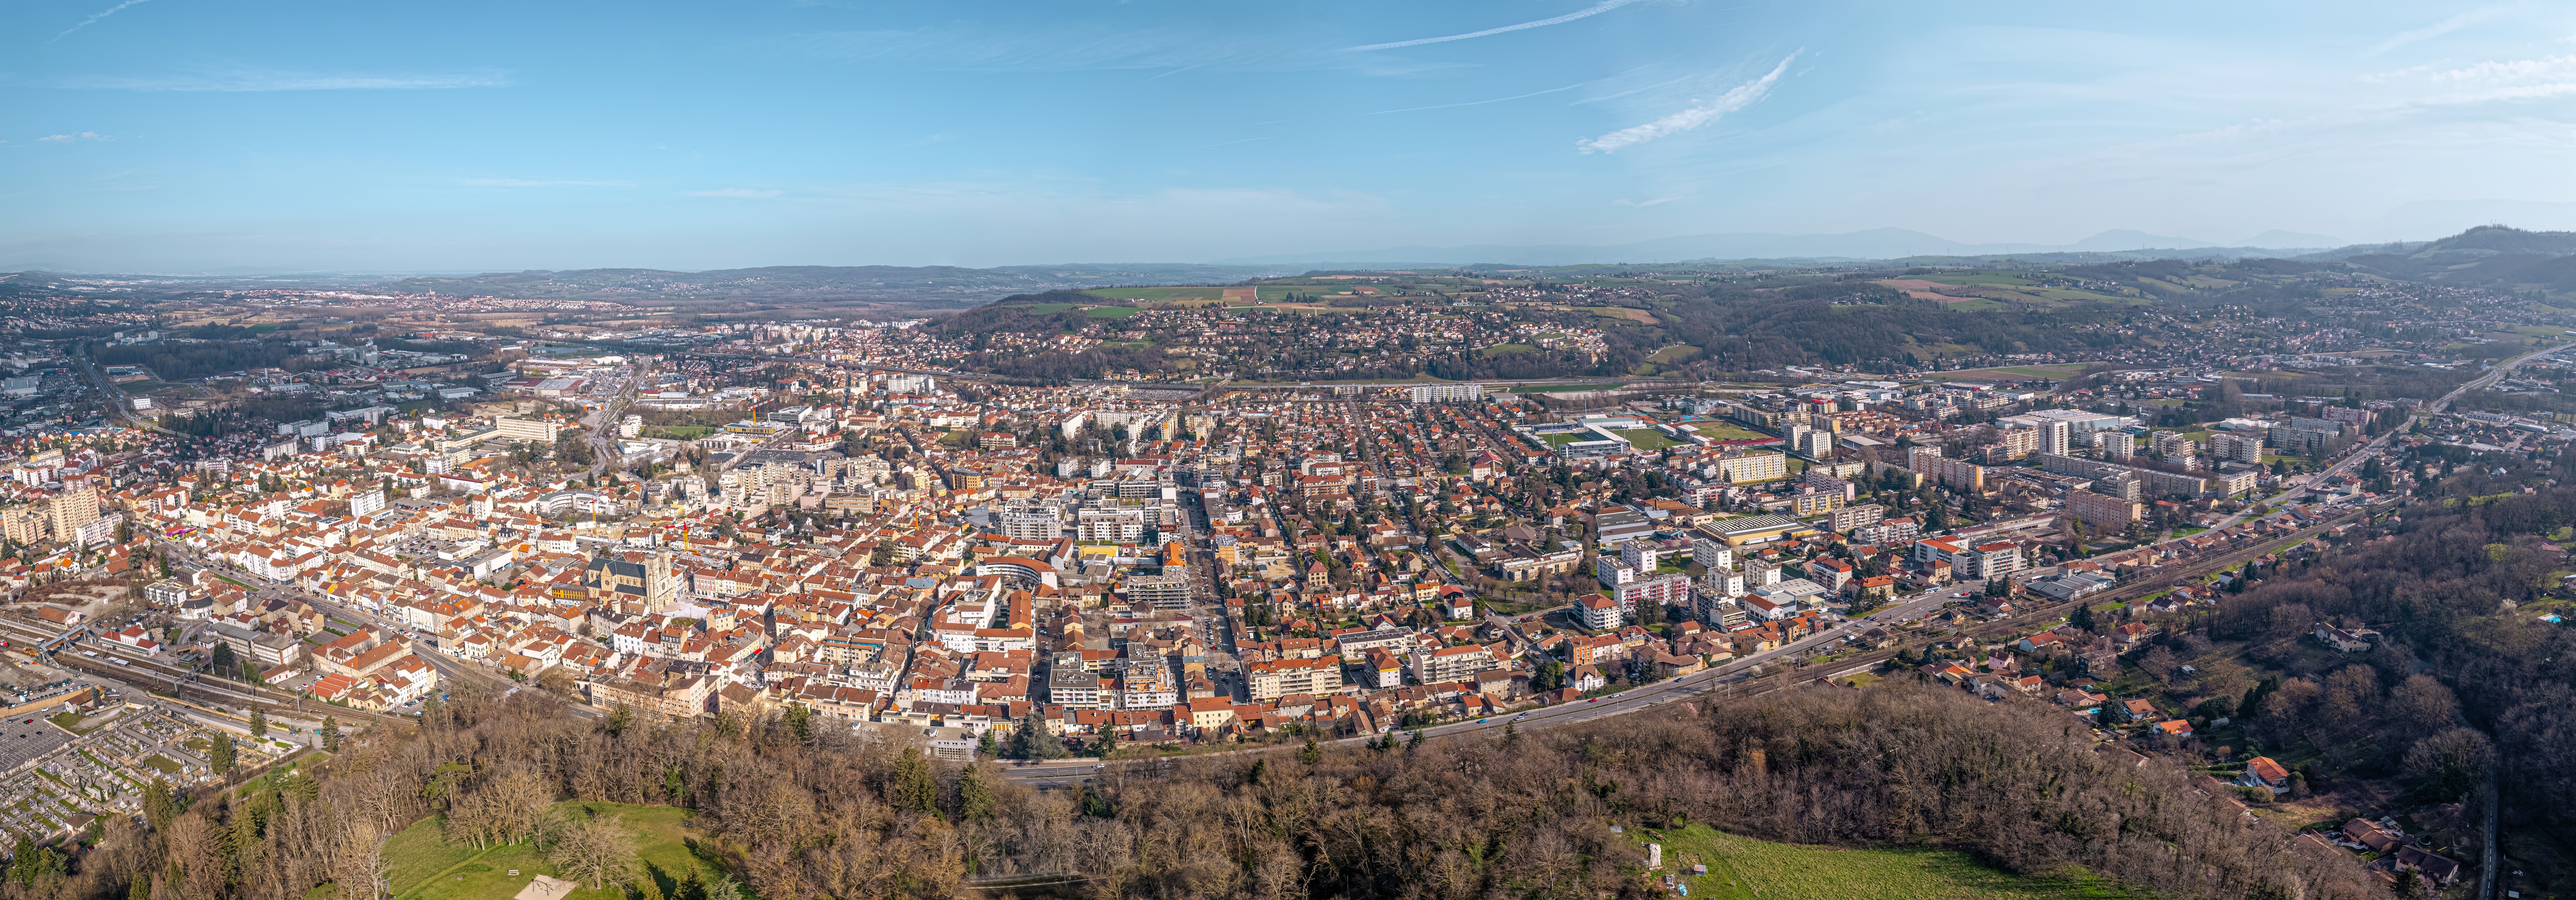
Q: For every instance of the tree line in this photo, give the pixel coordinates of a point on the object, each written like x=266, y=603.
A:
x=799, y=806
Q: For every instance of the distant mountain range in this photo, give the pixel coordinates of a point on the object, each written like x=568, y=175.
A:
x=928, y=287
x=2485, y=255
x=1879, y=243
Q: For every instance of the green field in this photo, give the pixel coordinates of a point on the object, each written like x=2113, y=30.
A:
x=1160, y=293
x=1646, y=438
x=69, y=720
x=1721, y=431
x=1559, y=388
x=1566, y=437
x=1746, y=869
x=1673, y=354
x=1500, y=349
x=1111, y=312
x=1049, y=309
x=166, y=765
x=421, y=866
x=2052, y=370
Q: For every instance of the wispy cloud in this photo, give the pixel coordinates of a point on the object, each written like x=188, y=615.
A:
x=528, y=183
x=1641, y=204
x=1736, y=98
x=1169, y=49
x=2446, y=26
x=75, y=136
x=85, y=23
x=253, y=80
x=2511, y=70
x=1586, y=12
x=1482, y=102
x=737, y=193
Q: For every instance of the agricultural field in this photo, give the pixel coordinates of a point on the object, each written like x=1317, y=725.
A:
x=1621, y=312
x=1673, y=354
x=1160, y=294
x=421, y=866
x=1500, y=349
x=1746, y=869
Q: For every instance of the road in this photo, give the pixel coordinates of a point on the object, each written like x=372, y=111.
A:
x=117, y=402
x=2491, y=377
x=603, y=422
x=1735, y=679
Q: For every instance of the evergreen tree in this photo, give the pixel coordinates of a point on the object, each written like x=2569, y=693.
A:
x=258, y=722
x=1032, y=740
x=986, y=746
x=331, y=734
x=974, y=797
x=159, y=805
x=223, y=756
x=800, y=722
x=913, y=788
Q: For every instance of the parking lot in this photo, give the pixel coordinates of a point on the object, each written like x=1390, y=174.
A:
x=29, y=736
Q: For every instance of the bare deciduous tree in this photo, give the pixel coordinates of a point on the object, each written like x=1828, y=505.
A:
x=596, y=849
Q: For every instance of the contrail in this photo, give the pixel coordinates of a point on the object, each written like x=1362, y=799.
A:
x=1594, y=10
x=85, y=22
x=1741, y=96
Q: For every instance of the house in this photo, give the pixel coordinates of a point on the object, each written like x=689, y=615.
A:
x=1585, y=678
x=2436, y=868
x=2343, y=640
x=2262, y=771
x=2180, y=728
x=2369, y=834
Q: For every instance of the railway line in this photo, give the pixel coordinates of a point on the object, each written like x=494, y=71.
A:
x=114, y=663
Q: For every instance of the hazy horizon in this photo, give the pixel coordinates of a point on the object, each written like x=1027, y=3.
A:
x=156, y=136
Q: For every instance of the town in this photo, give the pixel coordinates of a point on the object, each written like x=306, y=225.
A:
x=826, y=521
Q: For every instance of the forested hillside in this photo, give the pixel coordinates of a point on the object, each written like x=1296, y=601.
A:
x=797, y=809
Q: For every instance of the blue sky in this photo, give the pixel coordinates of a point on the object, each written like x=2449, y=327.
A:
x=178, y=135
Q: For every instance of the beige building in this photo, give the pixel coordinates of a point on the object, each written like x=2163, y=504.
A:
x=526, y=429
x=66, y=512
x=2101, y=513
x=25, y=524
x=1751, y=467
x=1274, y=679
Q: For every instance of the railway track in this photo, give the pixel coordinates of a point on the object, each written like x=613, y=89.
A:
x=184, y=683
